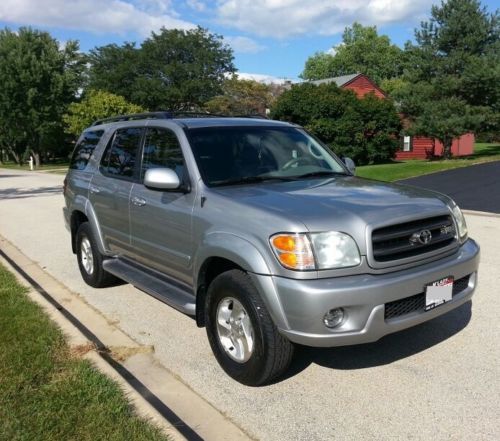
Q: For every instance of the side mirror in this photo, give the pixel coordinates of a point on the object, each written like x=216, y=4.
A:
x=161, y=179
x=349, y=163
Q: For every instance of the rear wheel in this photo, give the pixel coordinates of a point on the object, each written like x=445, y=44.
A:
x=90, y=259
x=240, y=330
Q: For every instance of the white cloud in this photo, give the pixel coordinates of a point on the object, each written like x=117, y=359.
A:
x=115, y=16
x=285, y=18
x=244, y=45
x=261, y=78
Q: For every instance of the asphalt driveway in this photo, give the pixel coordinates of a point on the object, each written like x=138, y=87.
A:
x=472, y=188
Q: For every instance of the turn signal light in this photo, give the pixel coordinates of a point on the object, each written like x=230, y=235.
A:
x=293, y=251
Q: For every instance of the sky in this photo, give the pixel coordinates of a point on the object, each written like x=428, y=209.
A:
x=271, y=39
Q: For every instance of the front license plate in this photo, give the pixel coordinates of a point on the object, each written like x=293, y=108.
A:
x=438, y=292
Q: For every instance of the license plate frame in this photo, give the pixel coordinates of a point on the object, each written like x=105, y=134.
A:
x=439, y=292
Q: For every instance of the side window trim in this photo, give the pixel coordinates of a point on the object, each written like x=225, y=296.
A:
x=106, y=155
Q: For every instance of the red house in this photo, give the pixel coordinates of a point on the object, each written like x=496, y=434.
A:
x=412, y=147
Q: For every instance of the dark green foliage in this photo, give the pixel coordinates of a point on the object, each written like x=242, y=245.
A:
x=362, y=50
x=173, y=69
x=367, y=130
x=39, y=79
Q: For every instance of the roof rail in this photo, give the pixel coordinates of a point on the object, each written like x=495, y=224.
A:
x=132, y=116
x=163, y=114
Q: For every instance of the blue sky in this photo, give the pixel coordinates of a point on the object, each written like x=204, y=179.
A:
x=269, y=37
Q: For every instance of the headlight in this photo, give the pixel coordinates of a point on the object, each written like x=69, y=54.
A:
x=335, y=250
x=331, y=250
x=460, y=221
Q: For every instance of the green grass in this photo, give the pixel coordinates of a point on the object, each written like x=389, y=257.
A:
x=48, y=393
x=483, y=152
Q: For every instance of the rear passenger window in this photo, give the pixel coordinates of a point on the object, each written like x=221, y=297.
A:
x=84, y=149
x=162, y=149
x=121, y=154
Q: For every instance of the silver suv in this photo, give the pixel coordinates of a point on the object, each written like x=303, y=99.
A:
x=262, y=234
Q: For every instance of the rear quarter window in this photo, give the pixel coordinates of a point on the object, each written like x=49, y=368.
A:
x=84, y=149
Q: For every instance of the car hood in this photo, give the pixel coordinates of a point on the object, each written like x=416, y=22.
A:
x=343, y=203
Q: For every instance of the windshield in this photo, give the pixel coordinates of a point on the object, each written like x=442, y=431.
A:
x=233, y=155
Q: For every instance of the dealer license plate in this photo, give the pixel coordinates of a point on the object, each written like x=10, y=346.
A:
x=438, y=292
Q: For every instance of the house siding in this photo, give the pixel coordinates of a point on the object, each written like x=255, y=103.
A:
x=423, y=148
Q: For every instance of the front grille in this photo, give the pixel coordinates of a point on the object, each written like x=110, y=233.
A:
x=399, y=242
x=417, y=302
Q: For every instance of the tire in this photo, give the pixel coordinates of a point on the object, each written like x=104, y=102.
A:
x=90, y=259
x=265, y=356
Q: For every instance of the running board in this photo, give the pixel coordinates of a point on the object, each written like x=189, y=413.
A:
x=168, y=293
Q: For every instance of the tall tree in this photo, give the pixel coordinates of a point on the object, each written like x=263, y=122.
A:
x=362, y=50
x=241, y=97
x=39, y=79
x=173, y=69
x=455, y=72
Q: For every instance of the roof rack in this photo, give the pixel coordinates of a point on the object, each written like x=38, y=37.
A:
x=163, y=114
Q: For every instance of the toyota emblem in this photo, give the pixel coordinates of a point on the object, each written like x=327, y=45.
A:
x=421, y=237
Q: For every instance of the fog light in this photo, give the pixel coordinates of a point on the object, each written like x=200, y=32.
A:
x=333, y=318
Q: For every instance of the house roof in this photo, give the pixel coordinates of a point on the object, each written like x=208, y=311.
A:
x=339, y=81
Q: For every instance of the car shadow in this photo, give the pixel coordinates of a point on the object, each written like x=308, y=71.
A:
x=389, y=349
x=22, y=193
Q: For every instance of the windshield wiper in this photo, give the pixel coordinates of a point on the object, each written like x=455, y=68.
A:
x=320, y=173
x=252, y=180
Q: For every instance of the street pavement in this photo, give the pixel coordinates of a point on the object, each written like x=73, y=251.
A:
x=473, y=188
x=440, y=380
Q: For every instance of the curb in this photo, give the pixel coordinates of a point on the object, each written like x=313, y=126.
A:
x=156, y=393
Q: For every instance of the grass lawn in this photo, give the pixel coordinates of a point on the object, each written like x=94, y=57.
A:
x=46, y=392
x=483, y=152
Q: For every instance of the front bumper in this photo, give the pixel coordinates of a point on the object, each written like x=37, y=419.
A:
x=298, y=306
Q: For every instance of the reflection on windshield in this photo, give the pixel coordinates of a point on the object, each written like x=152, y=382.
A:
x=230, y=155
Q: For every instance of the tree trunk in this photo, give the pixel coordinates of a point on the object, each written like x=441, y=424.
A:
x=447, y=148
x=16, y=157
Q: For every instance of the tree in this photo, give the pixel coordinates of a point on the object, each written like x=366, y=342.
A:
x=241, y=97
x=39, y=79
x=455, y=72
x=172, y=70
x=96, y=104
x=367, y=130
x=362, y=50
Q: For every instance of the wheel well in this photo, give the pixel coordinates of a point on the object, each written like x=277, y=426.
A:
x=77, y=218
x=210, y=269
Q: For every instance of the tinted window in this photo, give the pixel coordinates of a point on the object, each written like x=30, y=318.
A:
x=84, y=149
x=162, y=149
x=121, y=154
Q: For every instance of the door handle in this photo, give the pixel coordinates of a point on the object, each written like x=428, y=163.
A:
x=138, y=201
x=94, y=190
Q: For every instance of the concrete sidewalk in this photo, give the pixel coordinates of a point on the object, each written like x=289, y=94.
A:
x=440, y=380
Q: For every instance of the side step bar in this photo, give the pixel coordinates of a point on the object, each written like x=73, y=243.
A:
x=159, y=288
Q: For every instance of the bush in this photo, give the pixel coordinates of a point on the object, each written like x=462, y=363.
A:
x=367, y=130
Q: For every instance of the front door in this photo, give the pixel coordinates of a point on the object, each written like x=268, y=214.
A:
x=161, y=220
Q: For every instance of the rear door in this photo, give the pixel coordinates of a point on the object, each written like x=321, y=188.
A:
x=109, y=190
x=161, y=220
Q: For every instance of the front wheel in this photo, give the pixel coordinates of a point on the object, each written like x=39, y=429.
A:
x=240, y=330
